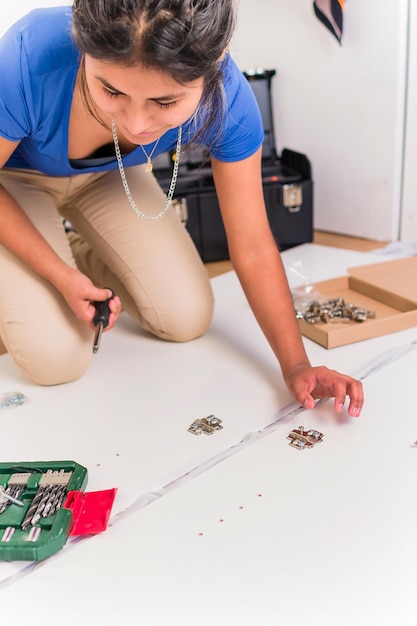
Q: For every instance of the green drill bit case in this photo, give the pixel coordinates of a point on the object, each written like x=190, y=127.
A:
x=16, y=543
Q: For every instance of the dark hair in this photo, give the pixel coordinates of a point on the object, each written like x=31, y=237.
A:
x=186, y=39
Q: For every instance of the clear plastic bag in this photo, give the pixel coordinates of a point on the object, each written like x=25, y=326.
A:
x=11, y=400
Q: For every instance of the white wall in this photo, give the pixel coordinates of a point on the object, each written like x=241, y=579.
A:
x=11, y=11
x=341, y=105
x=409, y=212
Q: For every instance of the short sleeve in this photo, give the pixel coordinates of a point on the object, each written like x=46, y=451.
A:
x=242, y=132
x=15, y=88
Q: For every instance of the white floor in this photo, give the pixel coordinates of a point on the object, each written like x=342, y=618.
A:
x=238, y=527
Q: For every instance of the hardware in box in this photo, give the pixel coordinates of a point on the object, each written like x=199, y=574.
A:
x=42, y=504
x=387, y=289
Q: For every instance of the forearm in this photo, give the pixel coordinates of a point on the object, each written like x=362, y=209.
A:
x=264, y=281
x=20, y=236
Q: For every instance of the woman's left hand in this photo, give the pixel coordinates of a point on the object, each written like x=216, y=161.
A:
x=308, y=384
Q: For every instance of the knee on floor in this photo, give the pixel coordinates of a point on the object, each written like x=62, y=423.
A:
x=55, y=365
x=184, y=324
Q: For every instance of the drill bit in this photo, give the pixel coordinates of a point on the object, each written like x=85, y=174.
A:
x=4, y=495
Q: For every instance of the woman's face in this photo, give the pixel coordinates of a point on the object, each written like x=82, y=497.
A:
x=144, y=103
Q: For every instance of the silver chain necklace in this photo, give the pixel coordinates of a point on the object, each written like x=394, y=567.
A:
x=149, y=166
x=124, y=180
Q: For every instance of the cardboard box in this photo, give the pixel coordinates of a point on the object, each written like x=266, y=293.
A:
x=389, y=289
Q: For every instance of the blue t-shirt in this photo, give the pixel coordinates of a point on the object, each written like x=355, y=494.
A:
x=38, y=68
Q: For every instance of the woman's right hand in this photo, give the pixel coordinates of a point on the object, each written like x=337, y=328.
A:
x=80, y=294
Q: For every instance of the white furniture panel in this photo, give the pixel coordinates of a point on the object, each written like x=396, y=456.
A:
x=126, y=420
x=272, y=535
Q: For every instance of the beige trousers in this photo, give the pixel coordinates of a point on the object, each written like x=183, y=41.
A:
x=152, y=266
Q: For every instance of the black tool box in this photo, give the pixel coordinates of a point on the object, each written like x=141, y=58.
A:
x=287, y=184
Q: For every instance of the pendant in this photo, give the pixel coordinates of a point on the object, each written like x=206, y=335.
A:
x=149, y=166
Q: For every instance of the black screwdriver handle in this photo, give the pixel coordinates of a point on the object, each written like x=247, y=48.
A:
x=102, y=311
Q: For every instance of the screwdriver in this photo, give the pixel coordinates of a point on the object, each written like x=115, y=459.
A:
x=101, y=319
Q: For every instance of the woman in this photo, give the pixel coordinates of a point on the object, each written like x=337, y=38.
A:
x=88, y=98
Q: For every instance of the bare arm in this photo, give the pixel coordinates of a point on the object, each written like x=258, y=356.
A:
x=258, y=264
x=19, y=235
